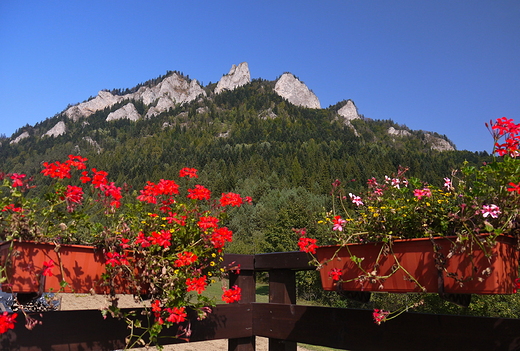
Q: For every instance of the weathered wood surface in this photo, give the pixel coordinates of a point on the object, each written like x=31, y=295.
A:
x=87, y=330
x=355, y=330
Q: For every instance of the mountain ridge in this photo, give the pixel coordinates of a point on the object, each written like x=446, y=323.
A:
x=162, y=94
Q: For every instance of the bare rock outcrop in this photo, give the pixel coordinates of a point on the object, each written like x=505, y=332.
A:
x=103, y=100
x=398, y=132
x=438, y=144
x=172, y=90
x=237, y=76
x=93, y=143
x=349, y=111
x=58, y=129
x=128, y=111
x=296, y=92
x=19, y=137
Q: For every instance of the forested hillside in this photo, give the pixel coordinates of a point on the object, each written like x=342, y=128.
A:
x=248, y=140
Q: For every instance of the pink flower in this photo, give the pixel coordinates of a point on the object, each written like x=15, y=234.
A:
x=338, y=223
x=420, y=193
x=380, y=316
x=490, y=210
x=356, y=199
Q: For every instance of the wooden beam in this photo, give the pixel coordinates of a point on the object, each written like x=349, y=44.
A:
x=355, y=330
x=283, y=260
x=87, y=330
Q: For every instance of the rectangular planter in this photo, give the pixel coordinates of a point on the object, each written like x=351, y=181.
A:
x=417, y=257
x=82, y=267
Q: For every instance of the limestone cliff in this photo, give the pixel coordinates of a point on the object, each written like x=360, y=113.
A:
x=172, y=90
x=20, y=137
x=237, y=76
x=349, y=111
x=128, y=111
x=103, y=100
x=296, y=92
x=438, y=144
x=57, y=130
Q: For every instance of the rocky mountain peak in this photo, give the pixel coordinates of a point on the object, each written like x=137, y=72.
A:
x=296, y=92
x=349, y=111
x=172, y=90
x=237, y=76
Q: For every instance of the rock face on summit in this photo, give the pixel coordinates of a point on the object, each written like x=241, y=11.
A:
x=172, y=90
x=296, y=92
x=237, y=76
x=128, y=111
x=103, y=100
x=349, y=111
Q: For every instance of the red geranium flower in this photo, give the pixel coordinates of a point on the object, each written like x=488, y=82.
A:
x=232, y=295
x=188, y=172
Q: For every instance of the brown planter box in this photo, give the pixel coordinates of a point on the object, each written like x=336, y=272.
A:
x=82, y=267
x=417, y=257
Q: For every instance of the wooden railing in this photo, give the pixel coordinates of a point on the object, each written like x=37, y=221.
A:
x=281, y=320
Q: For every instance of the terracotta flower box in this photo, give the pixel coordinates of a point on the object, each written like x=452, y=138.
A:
x=416, y=256
x=80, y=266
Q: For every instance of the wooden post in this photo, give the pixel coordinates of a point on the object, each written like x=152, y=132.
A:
x=282, y=289
x=246, y=280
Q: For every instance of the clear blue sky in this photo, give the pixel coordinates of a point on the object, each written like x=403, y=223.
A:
x=445, y=66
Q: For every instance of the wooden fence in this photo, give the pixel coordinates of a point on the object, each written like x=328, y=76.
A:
x=280, y=320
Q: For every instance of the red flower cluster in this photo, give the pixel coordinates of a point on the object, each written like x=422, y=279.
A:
x=306, y=244
x=207, y=222
x=510, y=131
x=380, y=316
x=231, y=199
x=17, y=179
x=74, y=196
x=185, y=259
x=62, y=170
x=110, y=194
x=335, y=274
x=196, y=284
x=163, y=238
x=47, y=268
x=232, y=295
x=188, y=172
x=116, y=259
x=199, y=193
x=7, y=321
x=220, y=236
x=174, y=217
x=517, y=285
x=11, y=207
x=177, y=314
x=152, y=191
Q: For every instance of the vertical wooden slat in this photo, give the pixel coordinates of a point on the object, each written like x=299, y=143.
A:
x=246, y=280
x=282, y=289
